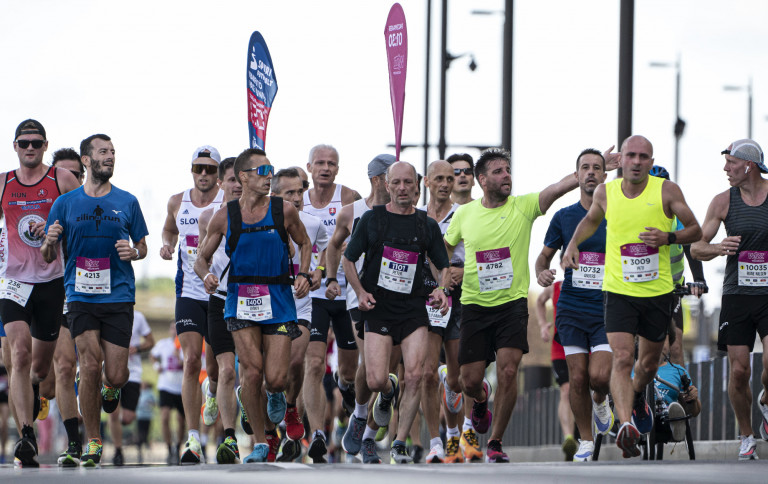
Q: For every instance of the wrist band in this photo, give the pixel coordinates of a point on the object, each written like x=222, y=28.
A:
x=206, y=276
x=320, y=268
x=138, y=255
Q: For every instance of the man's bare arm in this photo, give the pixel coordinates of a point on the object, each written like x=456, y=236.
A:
x=170, y=234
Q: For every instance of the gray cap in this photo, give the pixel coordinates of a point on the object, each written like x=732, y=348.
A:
x=212, y=153
x=747, y=150
x=378, y=166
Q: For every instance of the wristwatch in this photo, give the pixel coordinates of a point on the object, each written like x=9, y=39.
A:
x=671, y=238
x=329, y=280
x=305, y=276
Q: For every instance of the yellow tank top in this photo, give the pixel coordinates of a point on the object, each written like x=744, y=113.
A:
x=631, y=267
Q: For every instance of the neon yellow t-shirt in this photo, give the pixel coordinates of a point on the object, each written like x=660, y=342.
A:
x=496, y=243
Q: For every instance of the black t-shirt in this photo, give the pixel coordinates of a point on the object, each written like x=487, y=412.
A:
x=363, y=240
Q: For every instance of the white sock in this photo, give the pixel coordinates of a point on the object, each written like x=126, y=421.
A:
x=210, y=393
x=369, y=433
x=361, y=410
x=452, y=432
x=434, y=442
x=195, y=434
x=467, y=424
x=320, y=432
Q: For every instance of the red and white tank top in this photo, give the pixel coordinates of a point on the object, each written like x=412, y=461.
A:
x=328, y=215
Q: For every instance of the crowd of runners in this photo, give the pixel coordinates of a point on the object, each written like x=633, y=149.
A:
x=274, y=265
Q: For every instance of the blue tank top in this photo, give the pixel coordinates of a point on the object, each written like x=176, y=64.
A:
x=261, y=253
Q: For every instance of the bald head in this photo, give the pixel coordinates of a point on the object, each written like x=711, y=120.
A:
x=401, y=167
x=439, y=180
x=439, y=164
x=636, y=140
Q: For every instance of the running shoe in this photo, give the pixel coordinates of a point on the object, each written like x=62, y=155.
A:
x=243, y=416
x=42, y=414
x=764, y=411
x=495, y=454
x=210, y=409
x=642, y=417
x=276, y=407
x=481, y=416
x=353, y=437
x=586, y=449
x=110, y=398
x=381, y=434
x=453, y=453
x=71, y=456
x=118, y=460
x=453, y=401
x=290, y=451
x=382, y=409
x=399, y=455
x=436, y=455
x=470, y=446
x=273, y=441
x=368, y=451
x=294, y=427
x=570, y=446
x=317, y=449
x=748, y=449
x=627, y=440
x=228, y=452
x=26, y=451
x=417, y=452
x=259, y=453
x=347, y=396
x=92, y=455
x=677, y=421
x=193, y=452
x=602, y=417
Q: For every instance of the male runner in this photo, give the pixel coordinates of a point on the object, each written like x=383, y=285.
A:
x=95, y=223
x=324, y=200
x=464, y=172
x=181, y=224
x=743, y=211
x=360, y=432
x=396, y=239
x=167, y=359
x=637, y=285
x=496, y=231
x=579, y=318
x=31, y=290
x=259, y=310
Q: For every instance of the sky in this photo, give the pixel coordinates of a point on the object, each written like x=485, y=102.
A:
x=162, y=78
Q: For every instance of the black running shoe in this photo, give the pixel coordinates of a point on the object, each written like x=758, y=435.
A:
x=347, y=396
x=71, y=456
x=110, y=398
x=26, y=451
x=318, y=450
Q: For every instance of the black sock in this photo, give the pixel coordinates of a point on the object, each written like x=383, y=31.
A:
x=229, y=433
x=71, y=426
x=290, y=405
x=35, y=400
x=28, y=432
x=272, y=432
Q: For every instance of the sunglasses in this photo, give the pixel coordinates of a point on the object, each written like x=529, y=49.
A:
x=458, y=171
x=198, y=168
x=36, y=143
x=263, y=170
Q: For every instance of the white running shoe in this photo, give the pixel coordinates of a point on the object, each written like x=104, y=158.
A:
x=436, y=455
x=748, y=449
x=586, y=449
x=763, y=410
x=677, y=421
x=210, y=409
x=602, y=417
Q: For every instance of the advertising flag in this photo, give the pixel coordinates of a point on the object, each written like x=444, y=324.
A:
x=396, y=36
x=262, y=88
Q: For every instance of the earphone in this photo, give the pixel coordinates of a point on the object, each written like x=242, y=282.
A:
x=747, y=170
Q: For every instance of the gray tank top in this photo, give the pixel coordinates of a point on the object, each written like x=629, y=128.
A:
x=751, y=223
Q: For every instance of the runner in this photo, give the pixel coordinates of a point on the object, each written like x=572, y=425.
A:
x=32, y=293
x=181, y=224
x=579, y=319
x=396, y=239
x=259, y=309
x=168, y=363
x=464, y=173
x=496, y=231
x=743, y=210
x=637, y=285
x=324, y=200
x=95, y=223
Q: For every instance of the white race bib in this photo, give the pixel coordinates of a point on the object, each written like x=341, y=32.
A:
x=254, y=302
x=494, y=269
x=192, y=242
x=92, y=276
x=639, y=262
x=753, y=268
x=16, y=291
x=397, y=270
x=591, y=270
x=436, y=319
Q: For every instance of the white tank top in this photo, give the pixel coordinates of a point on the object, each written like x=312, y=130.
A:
x=328, y=216
x=358, y=209
x=219, y=262
x=187, y=282
x=318, y=237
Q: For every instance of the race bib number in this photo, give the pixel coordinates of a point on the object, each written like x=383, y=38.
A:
x=16, y=291
x=397, y=270
x=753, y=268
x=254, y=302
x=591, y=270
x=92, y=276
x=436, y=319
x=494, y=269
x=639, y=263
x=192, y=242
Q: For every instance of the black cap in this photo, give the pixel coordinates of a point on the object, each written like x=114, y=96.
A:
x=30, y=126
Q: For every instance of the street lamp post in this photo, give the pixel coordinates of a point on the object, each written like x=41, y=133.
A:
x=747, y=88
x=679, y=123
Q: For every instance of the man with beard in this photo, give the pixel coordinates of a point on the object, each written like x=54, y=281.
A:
x=32, y=293
x=181, y=224
x=99, y=279
x=496, y=231
x=579, y=311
